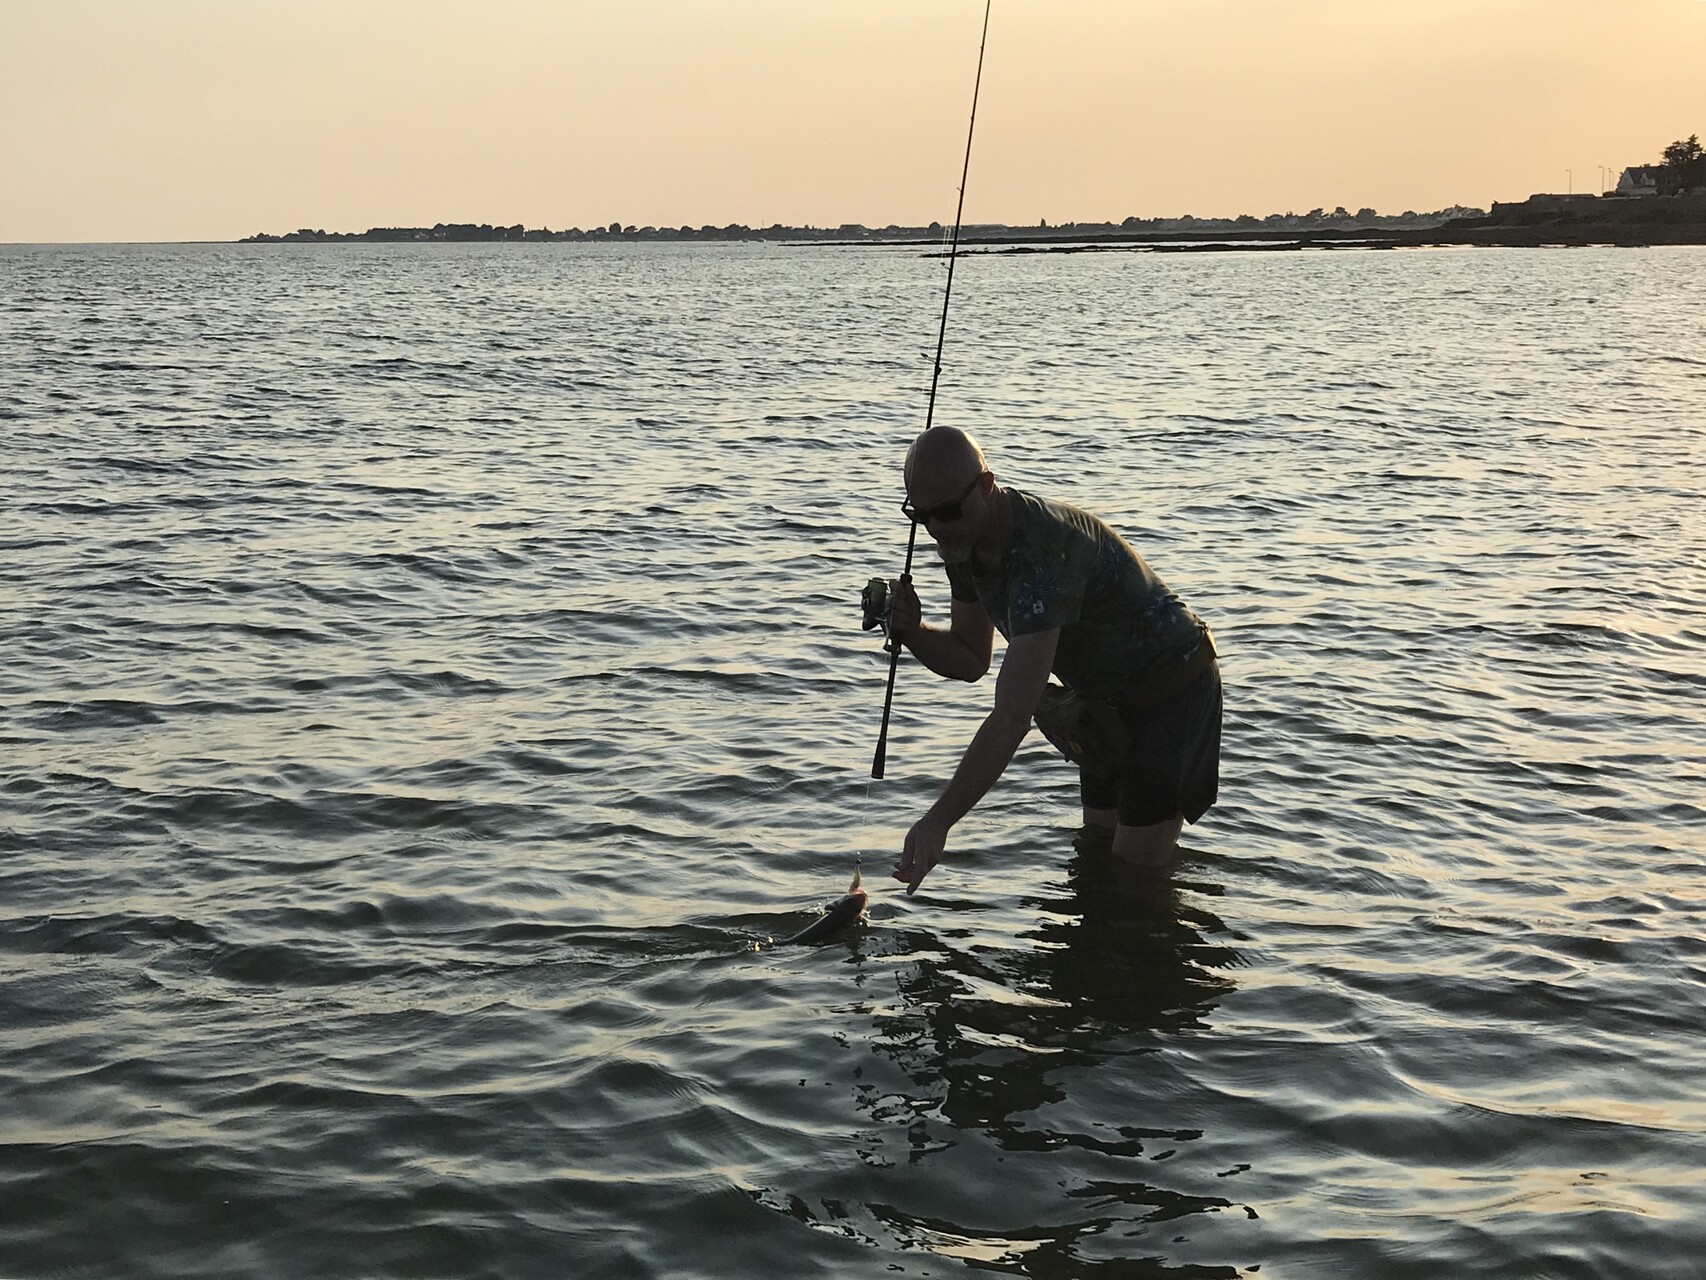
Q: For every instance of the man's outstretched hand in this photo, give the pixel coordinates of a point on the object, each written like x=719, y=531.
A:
x=922, y=851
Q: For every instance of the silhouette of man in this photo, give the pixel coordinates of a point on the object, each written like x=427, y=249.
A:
x=1073, y=599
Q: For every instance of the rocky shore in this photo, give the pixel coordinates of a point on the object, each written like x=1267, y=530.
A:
x=1539, y=221
x=1563, y=220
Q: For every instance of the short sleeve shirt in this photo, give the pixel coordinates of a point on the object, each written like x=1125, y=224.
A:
x=1065, y=568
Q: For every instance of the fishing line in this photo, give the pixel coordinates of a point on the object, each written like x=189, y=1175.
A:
x=893, y=646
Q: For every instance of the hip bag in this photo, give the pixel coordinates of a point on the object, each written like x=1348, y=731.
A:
x=1087, y=731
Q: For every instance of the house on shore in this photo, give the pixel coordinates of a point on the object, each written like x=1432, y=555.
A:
x=1639, y=180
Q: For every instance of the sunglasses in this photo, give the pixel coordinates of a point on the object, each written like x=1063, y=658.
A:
x=946, y=512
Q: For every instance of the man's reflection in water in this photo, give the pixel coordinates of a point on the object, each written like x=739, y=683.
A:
x=997, y=1040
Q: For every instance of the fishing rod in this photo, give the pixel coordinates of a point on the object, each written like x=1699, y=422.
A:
x=893, y=645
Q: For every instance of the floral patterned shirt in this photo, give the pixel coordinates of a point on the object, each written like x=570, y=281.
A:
x=1119, y=624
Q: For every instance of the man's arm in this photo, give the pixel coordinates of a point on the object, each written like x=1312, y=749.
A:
x=962, y=652
x=1024, y=674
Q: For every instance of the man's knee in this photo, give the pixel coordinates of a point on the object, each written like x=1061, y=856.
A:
x=1150, y=846
x=1102, y=819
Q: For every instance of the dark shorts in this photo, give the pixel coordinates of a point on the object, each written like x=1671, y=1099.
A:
x=1174, y=765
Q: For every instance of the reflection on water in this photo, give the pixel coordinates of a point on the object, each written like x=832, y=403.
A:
x=1042, y=1048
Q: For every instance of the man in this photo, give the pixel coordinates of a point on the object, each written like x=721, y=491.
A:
x=1072, y=598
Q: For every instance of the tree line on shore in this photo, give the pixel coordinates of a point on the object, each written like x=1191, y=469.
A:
x=1683, y=168
x=1315, y=219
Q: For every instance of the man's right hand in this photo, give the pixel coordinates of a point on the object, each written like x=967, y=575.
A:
x=905, y=613
x=922, y=851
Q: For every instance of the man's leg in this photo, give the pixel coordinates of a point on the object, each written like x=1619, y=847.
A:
x=1149, y=847
x=1101, y=819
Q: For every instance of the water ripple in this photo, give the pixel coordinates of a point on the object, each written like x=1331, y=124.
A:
x=433, y=683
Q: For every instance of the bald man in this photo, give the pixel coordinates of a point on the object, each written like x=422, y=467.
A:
x=1072, y=599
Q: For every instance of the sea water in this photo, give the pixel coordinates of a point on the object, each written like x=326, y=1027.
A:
x=431, y=676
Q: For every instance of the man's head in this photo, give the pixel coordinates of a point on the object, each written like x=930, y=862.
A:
x=948, y=491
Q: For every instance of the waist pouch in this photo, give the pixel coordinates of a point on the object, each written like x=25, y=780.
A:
x=1087, y=731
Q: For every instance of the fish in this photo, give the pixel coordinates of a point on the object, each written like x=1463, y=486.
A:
x=841, y=914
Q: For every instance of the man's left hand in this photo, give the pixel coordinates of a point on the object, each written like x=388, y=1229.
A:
x=922, y=851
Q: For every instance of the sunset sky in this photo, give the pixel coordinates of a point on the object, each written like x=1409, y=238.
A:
x=212, y=119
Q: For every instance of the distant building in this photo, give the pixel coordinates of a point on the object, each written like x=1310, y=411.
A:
x=1639, y=180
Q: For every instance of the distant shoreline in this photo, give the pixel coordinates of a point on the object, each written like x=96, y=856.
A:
x=1317, y=220
x=1542, y=220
